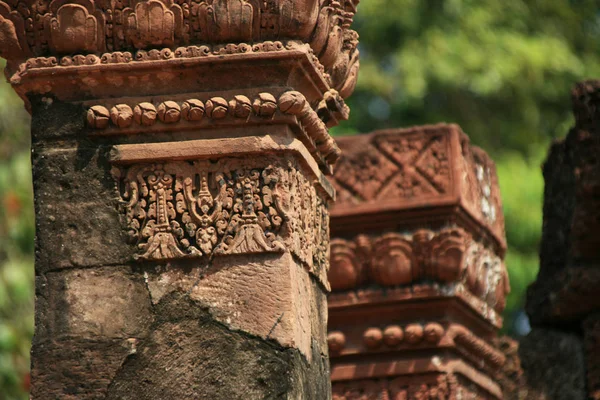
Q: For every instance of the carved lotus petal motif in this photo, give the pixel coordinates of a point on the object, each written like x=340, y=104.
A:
x=121, y=115
x=392, y=264
x=336, y=341
x=9, y=42
x=292, y=102
x=413, y=333
x=192, y=110
x=98, y=117
x=372, y=338
x=393, y=335
x=265, y=105
x=145, y=114
x=217, y=107
x=433, y=332
x=344, y=271
x=448, y=250
x=240, y=106
x=169, y=112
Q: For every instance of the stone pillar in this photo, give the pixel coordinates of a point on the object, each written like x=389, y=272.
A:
x=179, y=157
x=417, y=274
x=563, y=303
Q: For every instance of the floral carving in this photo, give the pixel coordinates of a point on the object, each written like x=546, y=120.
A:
x=94, y=27
x=12, y=44
x=448, y=256
x=225, y=20
x=201, y=208
x=392, y=260
x=75, y=27
x=153, y=23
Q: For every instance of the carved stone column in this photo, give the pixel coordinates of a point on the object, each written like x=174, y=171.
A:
x=179, y=156
x=417, y=274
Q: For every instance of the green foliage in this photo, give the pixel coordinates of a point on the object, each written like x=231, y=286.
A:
x=522, y=188
x=16, y=247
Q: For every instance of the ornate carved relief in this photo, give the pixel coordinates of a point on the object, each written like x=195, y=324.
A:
x=200, y=208
x=118, y=57
x=153, y=23
x=13, y=43
x=448, y=256
x=75, y=27
x=427, y=388
x=396, y=167
x=240, y=107
x=96, y=27
x=427, y=168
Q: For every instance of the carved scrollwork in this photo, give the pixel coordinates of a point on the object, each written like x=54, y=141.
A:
x=448, y=256
x=75, y=27
x=200, y=208
x=96, y=27
x=12, y=43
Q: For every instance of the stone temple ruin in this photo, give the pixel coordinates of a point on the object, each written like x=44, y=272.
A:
x=187, y=187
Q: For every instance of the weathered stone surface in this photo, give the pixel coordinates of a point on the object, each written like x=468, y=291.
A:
x=565, y=298
x=553, y=362
x=107, y=302
x=268, y=296
x=591, y=342
x=560, y=356
x=189, y=354
x=75, y=199
x=569, y=256
x=74, y=369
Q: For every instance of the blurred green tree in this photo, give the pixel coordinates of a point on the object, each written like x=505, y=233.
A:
x=16, y=246
x=502, y=70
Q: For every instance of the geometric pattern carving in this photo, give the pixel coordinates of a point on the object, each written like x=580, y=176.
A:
x=398, y=167
x=424, y=173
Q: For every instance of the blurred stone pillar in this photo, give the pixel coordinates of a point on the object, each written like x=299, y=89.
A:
x=561, y=356
x=417, y=274
x=179, y=157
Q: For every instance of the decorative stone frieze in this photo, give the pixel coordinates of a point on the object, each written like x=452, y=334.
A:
x=417, y=273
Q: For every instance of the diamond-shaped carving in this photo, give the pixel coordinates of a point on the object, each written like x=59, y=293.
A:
x=366, y=174
x=433, y=163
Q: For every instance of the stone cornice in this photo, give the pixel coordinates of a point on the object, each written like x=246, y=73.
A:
x=216, y=113
x=425, y=174
x=60, y=28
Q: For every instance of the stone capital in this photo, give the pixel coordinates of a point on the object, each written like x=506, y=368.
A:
x=417, y=273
